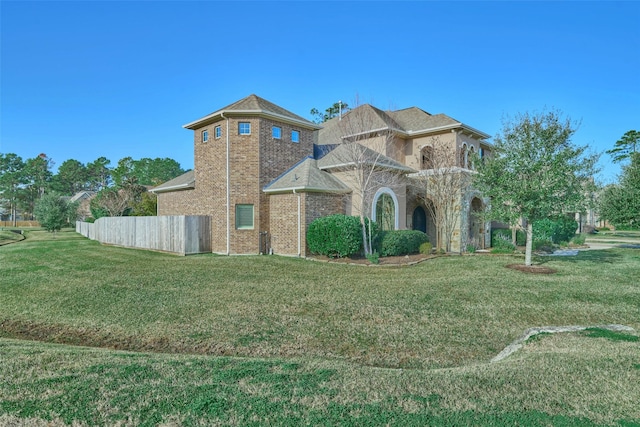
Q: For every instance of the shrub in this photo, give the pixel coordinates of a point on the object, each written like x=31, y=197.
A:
x=401, y=242
x=335, y=235
x=555, y=230
x=374, y=258
x=579, y=239
x=505, y=233
x=471, y=248
x=502, y=244
x=543, y=245
x=426, y=248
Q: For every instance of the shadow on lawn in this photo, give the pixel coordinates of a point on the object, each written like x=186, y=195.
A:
x=606, y=256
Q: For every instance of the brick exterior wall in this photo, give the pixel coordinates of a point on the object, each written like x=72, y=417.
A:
x=284, y=222
x=254, y=161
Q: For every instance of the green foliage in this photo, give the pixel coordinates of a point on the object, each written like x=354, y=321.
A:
x=330, y=112
x=146, y=206
x=505, y=233
x=625, y=147
x=501, y=243
x=335, y=235
x=471, y=248
x=556, y=230
x=400, y=242
x=579, y=239
x=374, y=258
x=620, y=203
x=54, y=212
x=426, y=248
x=145, y=171
x=535, y=172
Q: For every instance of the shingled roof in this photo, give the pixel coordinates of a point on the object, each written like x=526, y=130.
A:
x=253, y=105
x=185, y=181
x=306, y=177
x=344, y=155
x=408, y=122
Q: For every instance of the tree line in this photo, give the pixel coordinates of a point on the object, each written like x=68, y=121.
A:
x=120, y=190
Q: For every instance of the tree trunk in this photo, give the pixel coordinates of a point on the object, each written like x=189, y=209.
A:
x=529, y=249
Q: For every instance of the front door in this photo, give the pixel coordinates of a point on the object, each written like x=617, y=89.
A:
x=419, y=219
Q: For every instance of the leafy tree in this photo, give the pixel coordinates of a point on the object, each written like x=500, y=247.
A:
x=334, y=111
x=99, y=174
x=625, y=146
x=117, y=201
x=620, y=203
x=11, y=181
x=37, y=180
x=146, y=206
x=54, y=212
x=535, y=172
x=146, y=171
x=72, y=177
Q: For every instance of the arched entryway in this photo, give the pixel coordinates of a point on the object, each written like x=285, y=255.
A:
x=385, y=209
x=476, y=226
x=419, y=219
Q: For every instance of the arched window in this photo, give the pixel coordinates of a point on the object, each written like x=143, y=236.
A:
x=472, y=151
x=385, y=209
x=426, y=158
x=463, y=156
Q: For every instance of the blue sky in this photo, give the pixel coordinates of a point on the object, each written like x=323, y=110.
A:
x=85, y=79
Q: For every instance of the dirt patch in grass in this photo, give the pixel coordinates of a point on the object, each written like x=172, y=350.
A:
x=532, y=269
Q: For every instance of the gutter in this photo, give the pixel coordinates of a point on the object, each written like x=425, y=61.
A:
x=228, y=185
x=303, y=123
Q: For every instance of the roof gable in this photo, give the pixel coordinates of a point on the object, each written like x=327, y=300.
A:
x=306, y=177
x=345, y=154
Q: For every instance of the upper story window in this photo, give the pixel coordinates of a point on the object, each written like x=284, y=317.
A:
x=276, y=132
x=217, y=132
x=244, y=128
x=205, y=135
x=426, y=158
x=295, y=136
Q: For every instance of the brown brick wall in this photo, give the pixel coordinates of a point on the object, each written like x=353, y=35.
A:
x=284, y=223
x=255, y=160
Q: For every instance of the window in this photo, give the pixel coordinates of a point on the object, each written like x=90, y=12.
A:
x=276, y=132
x=295, y=136
x=205, y=135
x=218, y=132
x=385, y=212
x=244, y=128
x=244, y=217
x=426, y=162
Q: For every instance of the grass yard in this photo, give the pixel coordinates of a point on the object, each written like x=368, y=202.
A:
x=280, y=341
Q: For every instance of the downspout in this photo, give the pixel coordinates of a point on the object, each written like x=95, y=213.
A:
x=299, y=225
x=228, y=188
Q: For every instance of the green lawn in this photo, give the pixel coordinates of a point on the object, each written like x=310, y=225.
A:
x=272, y=340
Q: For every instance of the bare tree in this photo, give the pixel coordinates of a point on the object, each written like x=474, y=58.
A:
x=363, y=158
x=442, y=184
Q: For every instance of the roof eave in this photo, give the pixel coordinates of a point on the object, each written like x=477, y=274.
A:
x=260, y=113
x=188, y=186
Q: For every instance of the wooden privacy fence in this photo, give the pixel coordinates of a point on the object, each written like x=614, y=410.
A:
x=181, y=234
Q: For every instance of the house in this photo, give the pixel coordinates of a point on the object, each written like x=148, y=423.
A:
x=263, y=174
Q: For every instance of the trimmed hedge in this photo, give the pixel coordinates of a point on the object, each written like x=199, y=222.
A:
x=335, y=236
x=556, y=230
x=505, y=234
x=400, y=242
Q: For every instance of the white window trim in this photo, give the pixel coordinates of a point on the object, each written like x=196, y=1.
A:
x=205, y=135
x=298, y=132
x=253, y=218
x=215, y=132
x=273, y=128
x=244, y=134
x=380, y=192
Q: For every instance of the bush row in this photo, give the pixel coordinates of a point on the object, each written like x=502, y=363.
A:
x=341, y=236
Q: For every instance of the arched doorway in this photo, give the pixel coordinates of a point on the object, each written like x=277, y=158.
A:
x=476, y=226
x=420, y=219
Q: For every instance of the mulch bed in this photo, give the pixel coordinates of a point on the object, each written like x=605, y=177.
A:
x=533, y=269
x=388, y=260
